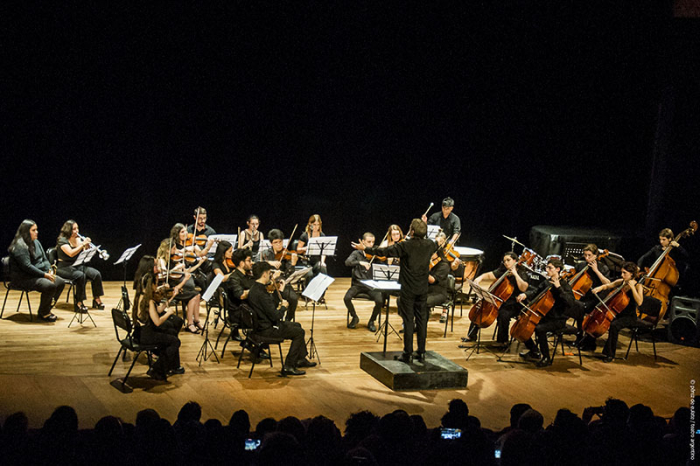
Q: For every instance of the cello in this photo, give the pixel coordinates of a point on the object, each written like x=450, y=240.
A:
x=662, y=276
x=483, y=314
x=582, y=282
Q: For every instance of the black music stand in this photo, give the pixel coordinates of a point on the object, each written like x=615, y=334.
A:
x=489, y=298
x=314, y=291
x=78, y=315
x=385, y=280
x=207, y=350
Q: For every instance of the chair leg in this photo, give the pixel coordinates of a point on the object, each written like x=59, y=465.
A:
x=121, y=348
x=632, y=339
x=279, y=345
x=4, y=302
x=653, y=342
x=136, y=357
x=446, y=322
x=240, y=357
x=557, y=339
x=29, y=306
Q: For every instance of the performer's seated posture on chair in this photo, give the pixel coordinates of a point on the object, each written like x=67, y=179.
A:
x=362, y=270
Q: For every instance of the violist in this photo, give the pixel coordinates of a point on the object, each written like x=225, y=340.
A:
x=274, y=256
x=251, y=237
x=362, y=270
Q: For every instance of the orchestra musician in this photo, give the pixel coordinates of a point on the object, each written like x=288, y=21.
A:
x=446, y=219
x=30, y=269
x=178, y=234
x=200, y=226
x=181, y=277
x=628, y=317
x=557, y=315
x=223, y=265
x=362, y=270
x=285, y=265
x=510, y=308
x=270, y=323
x=393, y=235
x=415, y=255
x=68, y=247
x=158, y=322
x=241, y=279
x=437, y=278
x=666, y=240
x=251, y=237
x=599, y=274
x=314, y=229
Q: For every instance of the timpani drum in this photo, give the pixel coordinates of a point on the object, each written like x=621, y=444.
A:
x=472, y=259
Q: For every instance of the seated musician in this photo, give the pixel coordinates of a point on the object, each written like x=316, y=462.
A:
x=274, y=257
x=241, y=279
x=181, y=277
x=666, y=240
x=393, y=235
x=30, y=269
x=313, y=230
x=251, y=237
x=449, y=222
x=437, y=279
x=599, y=274
x=200, y=226
x=223, y=265
x=192, y=254
x=518, y=278
x=270, y=323
x=628, y=317
x=68, y=247
x=555, y=318
x=362, y=270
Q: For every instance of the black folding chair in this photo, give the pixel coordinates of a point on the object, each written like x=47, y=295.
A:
x=651, y=307
x=255, y=343
x=9, y=286
x=128, y=342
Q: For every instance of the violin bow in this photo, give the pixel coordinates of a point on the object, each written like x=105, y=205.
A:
x=286, y=248
x=385, y=237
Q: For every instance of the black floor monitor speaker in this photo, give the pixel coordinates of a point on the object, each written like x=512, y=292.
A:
x=683, y=322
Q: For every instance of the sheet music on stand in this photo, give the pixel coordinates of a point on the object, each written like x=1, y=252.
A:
x=211, y=289
x=382, y=285
x=321, y=246
x=482, y=293
x=84, y=257
x=127, y=254
x=433, y=230
x=316, y=287
x=385, y=272
x=222, y=237
x=266, y=244
x=297, y=275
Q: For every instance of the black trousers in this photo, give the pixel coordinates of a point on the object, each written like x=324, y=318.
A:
x=619, y=323
x=413, y=310
x=509, y=310
x=169, y=344
x=49, y=290
x=289, y=331
x=80, y=275
x=541, y=330
x=436, y=299
x=374, y=295
x=291, y=297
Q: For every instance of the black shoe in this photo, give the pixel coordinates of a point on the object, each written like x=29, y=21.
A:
x=371, y=326
x=264, y=355
x=608, y=359
x=236, y=336
x=469, y=338
x=532, y=354
x=405, y=358
x=443, y=318
x=291, y=371
x=420, y=357
x=588, y=346
x=305, y=363
x=353, y=322
x=156, y=375
x=96, y=305
x=49, y=318
x=80, y=308
x=501, y=346
x=544, y=362
x=179, y=370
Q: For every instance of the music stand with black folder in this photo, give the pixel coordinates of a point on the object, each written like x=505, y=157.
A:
x=385, y=279
x=83, y=258
x=314, y=291
x=207, y=350
x=488, y=298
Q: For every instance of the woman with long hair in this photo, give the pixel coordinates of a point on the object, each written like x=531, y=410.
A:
x=68, y=247
x=314, y=229
x=251, y=237
x=30, y=268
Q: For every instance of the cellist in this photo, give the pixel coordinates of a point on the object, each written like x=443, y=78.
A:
x=510, y=308
x=628, y=317
x=555, y=318
x=599, y=274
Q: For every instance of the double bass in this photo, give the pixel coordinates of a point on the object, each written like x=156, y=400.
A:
x=582, y=282
x=662, y=276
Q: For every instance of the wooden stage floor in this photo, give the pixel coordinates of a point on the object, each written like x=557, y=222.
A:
x=45, y=365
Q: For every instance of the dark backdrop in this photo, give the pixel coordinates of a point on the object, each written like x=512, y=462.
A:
x=536, y=113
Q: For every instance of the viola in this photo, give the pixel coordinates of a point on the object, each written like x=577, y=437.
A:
x=582, y=281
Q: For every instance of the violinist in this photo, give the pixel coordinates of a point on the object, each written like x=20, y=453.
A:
x=628, y=317
x=599, y=274
x=251, y=237
x=555, y=318
x=518, y=278
x=180, y=277
x=223, y=265
x=393, y=235
x=313, y=230
x=446, y=219
x=277, y=258
x=666, y=240
x=241, y=279
x=191, y=253
x=362, y=270
x=30, y=268
x=415, y=255
x=437, y=278
x=200, y=227
x=69, y=245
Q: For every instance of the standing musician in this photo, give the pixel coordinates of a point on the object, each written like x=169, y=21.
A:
x=270, y=323
x=447, y=220
x=555, y=318
x=362, y=270
x=159, y=323
x=180, y=277
x=178, y=235
x=30, y=268
x=678, y=254
x=415, y=255
x=200, y=227
x=313, y=230
x=437, y=278
x=510, y=308
x=68, y=247
x=628, y=317
x=277, y=258
x=393, y=235
x=599, y=274
x=251, y=237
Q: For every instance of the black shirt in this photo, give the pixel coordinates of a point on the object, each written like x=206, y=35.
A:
x=256, y=243
x=498, y=273
x=678, y=254
x=415, y=254
x=24, y=264
x=63, y=258
x=580, y=265
x=450, y=225
x=238, y=284
x=264, y=305
x=359, y=272
x=286, y=265
x=207, y=231
x=563, y=297
x=440, y=271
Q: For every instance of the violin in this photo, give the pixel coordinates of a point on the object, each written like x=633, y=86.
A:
x=582, y=282
x=449, y=253
x=199, y=240
x=371, y=257
x=229, y=263
x=286, y=255
x=189, y=257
